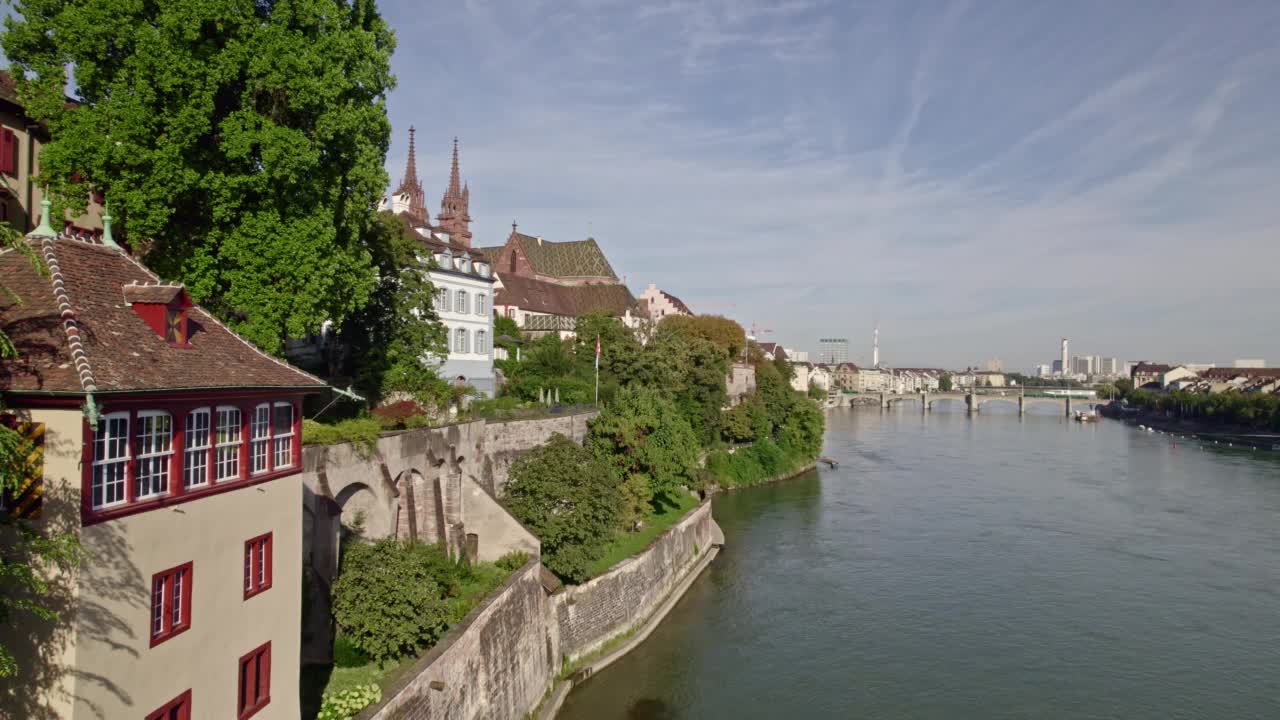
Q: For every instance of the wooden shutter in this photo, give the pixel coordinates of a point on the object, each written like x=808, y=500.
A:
x=9, y=152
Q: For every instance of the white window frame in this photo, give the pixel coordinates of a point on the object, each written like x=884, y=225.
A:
x=481, y=338
x=260, y=439
x=281, y=442
x=112, y=461
x=199, y=451
x=480, y=303
x=447, y=305
x=232, y=447
x=460, y=340
x=147, y=453
x=462, y=303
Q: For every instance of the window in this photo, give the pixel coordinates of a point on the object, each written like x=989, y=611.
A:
x=195, y=454
x=479, y=303
x=442, y=300
x=175, y=326
x=255, y=682
x=462, y=301
x=227, y=462
x=511, y=313
x=257, y=565
x=282, y=436
x=170, y=603
x=178, y=708
x=482, y=341
x=460, y=340
x=110, y=460
x=259, y=438
x=155, y=454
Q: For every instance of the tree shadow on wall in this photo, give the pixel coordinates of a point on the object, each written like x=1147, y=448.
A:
x=108, y=580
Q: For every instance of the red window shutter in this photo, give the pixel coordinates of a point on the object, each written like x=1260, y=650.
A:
x=8, y=152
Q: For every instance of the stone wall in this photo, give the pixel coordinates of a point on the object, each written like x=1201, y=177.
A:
x=506, y=441
x=496, y=664
x=591, y=614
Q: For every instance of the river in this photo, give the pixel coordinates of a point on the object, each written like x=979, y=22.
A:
x=986, y=567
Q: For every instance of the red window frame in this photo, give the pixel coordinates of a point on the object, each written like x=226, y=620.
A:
x=253, y=672
x=257, y=565
x=178, y=708
x=178, y=407
x=179, y=579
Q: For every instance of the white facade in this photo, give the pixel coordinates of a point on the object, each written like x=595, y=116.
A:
x=464, y=302
x=661, y=304
x=1249, y=363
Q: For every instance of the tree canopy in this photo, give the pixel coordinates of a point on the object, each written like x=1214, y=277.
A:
x=240, y=146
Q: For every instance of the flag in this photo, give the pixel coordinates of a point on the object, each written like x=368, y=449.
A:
x=597, y=352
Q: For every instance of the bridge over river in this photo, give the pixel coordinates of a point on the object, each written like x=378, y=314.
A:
x=975, y=398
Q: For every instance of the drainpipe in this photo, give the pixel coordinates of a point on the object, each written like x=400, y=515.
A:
x=90, y=410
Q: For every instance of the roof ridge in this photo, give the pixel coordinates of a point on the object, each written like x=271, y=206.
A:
x=68, y=314
x=231, y=332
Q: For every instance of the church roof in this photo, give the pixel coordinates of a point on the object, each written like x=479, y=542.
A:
x=571, y=259
x=541, y=296
x=75, y=330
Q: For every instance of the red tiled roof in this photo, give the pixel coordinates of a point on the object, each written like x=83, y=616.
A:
x=75, y=331
x=541, y=296
x=1145, y=367
x=1228, y=373
x=153, y=294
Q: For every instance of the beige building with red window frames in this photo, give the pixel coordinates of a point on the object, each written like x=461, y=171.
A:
x=171, y=445
x=20, y=141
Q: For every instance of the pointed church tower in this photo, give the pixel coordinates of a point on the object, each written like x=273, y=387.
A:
x=411, y=190
x=454, y=217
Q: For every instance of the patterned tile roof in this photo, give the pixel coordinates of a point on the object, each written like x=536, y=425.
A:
x=540, y=296
x=572, y=259
x=75, y=331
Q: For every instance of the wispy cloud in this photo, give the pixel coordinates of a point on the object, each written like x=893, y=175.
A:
x=1022, y=173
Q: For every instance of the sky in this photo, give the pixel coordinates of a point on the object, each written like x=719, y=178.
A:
x=980, y=179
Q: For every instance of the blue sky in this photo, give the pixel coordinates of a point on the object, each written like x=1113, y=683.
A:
x=981, y=178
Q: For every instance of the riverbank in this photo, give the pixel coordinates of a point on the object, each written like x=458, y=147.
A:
x=1196, y=428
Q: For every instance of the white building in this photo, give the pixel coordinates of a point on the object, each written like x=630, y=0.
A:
x=1249, y=363
x=464, y=302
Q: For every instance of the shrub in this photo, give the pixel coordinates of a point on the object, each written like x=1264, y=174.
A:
x=346, y=654
x=387, y=600
x=513, y=561
x=361, y=432
x=570, y=499
x=347, y=704
x=395, y=415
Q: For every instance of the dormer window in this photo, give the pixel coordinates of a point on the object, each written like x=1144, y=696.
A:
x=163, y=308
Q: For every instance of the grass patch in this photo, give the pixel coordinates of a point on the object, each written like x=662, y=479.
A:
x=361, y=432
x=626, y=544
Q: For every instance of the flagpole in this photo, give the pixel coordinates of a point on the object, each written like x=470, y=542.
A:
x=597, y=371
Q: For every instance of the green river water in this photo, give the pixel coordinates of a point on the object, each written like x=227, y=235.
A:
x=985, y=567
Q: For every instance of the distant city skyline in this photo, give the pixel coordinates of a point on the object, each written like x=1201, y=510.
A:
x=924, y=165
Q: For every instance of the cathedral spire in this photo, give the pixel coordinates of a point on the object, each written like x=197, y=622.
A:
x=454, y=179
x=411, y=187
x=454, y=216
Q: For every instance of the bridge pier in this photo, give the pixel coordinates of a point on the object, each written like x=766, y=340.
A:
x=972, y=400
x=1068, y=399
x=924, y=401
x=1022, y=404
x=884, y=402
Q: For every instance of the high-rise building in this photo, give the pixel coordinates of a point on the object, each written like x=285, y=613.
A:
x=1095, y=365
x=1065, y=363
x=1057, y=367
x=1043, y=370
x=833, y=350
x=1110, y=366
x=994, y=365
x=1081, y=365
x=875, y=347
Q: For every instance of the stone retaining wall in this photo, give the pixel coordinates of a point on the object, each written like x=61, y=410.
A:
x=506, y=441
x=589, y=615
x=496, y=664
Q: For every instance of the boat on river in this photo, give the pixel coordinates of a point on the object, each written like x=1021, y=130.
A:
x=1086, y=415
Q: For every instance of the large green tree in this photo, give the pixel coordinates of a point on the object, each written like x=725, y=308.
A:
x=651, y=446
x=239, y=143
x=394, y=336
x=570, y=498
